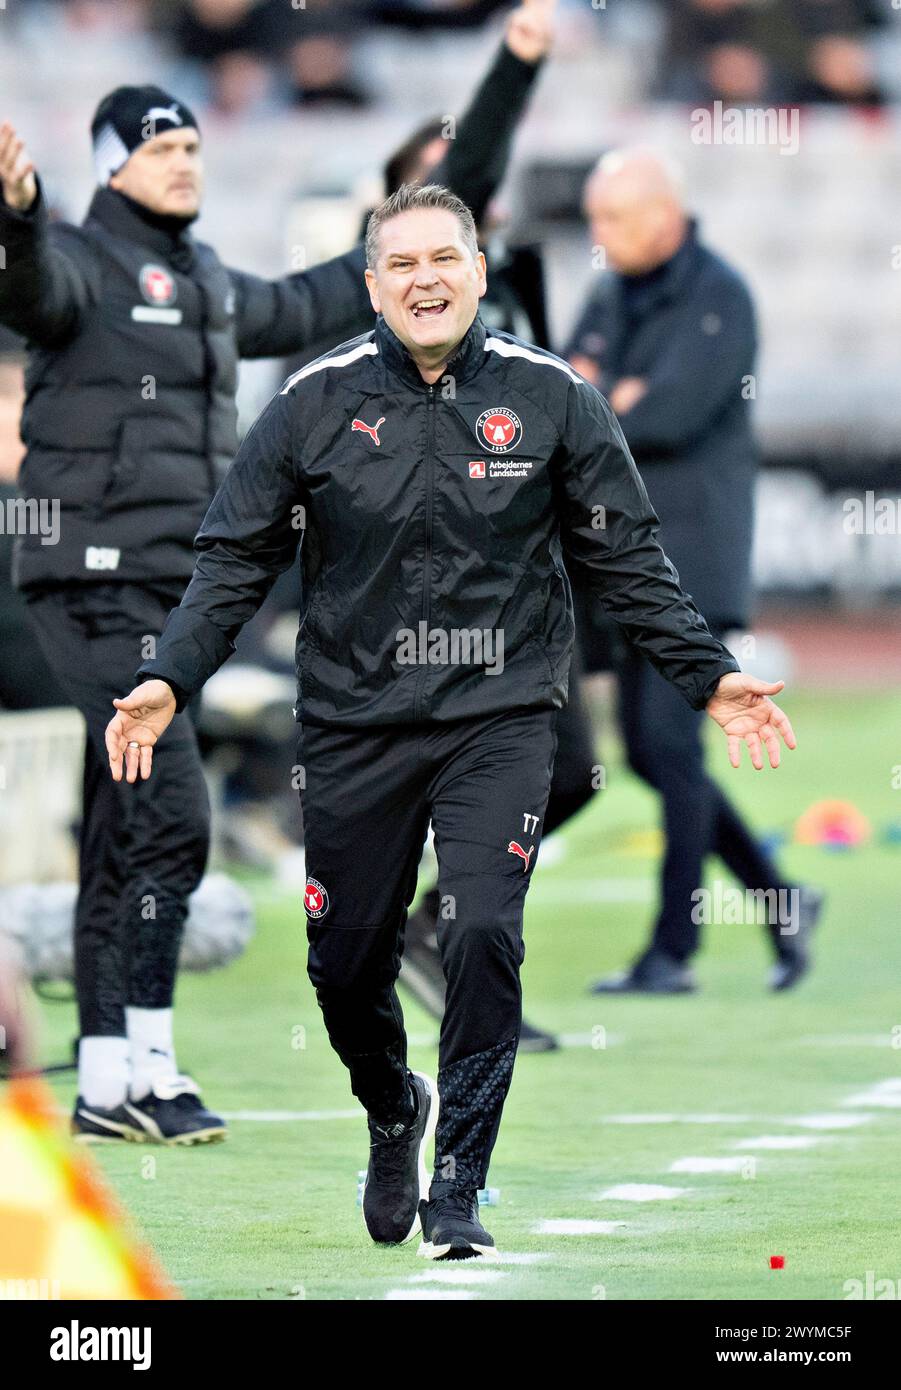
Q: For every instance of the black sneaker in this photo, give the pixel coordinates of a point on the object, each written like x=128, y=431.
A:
x=422, y=975
x=451, y=1229
x=793, y=960
x=653, y=973
x=173, y=1113
x=397, y=1175
x=94, y=1124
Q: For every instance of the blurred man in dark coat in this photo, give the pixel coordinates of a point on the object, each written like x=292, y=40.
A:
x=670, y=339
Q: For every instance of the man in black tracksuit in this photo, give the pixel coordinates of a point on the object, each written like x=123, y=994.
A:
x=514, y=302
x=443, y=477
x=135, y=332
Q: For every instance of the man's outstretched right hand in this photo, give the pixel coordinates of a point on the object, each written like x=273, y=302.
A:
x=16, y=171
x=142, y=718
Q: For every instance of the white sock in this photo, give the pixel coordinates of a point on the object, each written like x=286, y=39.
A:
x=152, y=1048
x=103, y=1071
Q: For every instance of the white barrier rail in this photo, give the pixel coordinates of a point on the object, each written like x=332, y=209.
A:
x=41, y=754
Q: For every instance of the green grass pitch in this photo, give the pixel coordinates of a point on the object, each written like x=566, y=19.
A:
x=271, y=1214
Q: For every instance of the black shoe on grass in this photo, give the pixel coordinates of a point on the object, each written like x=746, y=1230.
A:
x=793, y=959
x=451, y=1229
x=173, y=1113
x=95, y=1124
x=422, y=975
x=532, y=1039
x=397, y=1175
x=653, y=973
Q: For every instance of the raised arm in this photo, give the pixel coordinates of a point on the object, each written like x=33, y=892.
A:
x=276, y=318
x=43, y=291
x=279, y=317
x=476, y=159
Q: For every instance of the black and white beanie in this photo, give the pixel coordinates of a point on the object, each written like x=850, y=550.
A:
x=129, y=116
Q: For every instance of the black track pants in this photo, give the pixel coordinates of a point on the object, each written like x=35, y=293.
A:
x=143, y=848
x=367, y=802
x=663, y=741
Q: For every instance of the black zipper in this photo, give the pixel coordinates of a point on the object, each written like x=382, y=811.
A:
x=427, y=562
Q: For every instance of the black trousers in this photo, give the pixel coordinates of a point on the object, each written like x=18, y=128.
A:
x=143, y=848
x=368, y=797
x=663, y=742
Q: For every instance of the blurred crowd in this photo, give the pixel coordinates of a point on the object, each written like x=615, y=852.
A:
x=775, y=51
x=249, y=53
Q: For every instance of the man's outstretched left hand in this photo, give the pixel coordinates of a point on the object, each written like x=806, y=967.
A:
x=742, y=708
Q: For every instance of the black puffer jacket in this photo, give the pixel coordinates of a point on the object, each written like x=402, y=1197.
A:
x=130, y=422
x=438, y=520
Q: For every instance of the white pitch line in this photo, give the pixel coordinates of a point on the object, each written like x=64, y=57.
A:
x=826, y=1121
x=589, y=1040
x=778, y=1141
x=458, y=1276
x=671, y=1119
x=509, y=1257
x=708, y=1165
x=429, y=1295
x=640, y=1192
x=847, y=1040
x=288, y=1116
x=876, y=1100
x=565, y=1226
x=882, y=1095
x=553, y=852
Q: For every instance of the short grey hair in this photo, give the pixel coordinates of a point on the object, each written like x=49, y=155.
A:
x=412, y=196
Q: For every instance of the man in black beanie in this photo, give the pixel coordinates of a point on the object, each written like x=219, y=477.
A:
x=135, y=331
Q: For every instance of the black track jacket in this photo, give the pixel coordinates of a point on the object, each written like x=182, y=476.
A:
x=430, y=511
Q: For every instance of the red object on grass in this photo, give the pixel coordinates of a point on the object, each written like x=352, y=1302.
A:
x=777, y=1262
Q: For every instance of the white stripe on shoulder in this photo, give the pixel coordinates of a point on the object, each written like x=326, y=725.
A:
x=364, y=350
x=515, y=350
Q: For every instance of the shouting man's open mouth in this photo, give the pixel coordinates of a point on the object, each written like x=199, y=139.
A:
x=429, y=308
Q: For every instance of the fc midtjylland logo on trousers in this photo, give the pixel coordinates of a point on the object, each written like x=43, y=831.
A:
x=315, y=899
